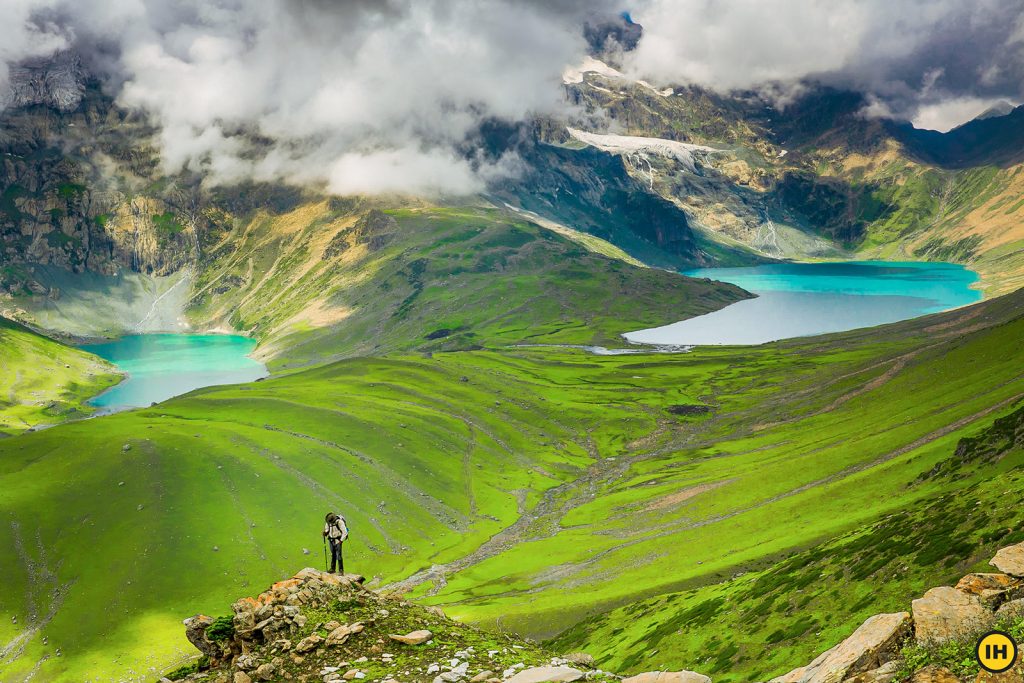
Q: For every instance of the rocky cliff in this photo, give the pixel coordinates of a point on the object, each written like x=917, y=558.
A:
x=79, y=189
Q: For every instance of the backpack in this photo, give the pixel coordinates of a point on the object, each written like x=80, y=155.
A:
x=347, y=531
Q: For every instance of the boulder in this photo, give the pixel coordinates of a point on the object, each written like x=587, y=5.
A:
x=195, y=631
x=414, y=638
x=246, y=662
x=580, y=658
x=265, y=672
x=338, y=636
x=241, y=677
x=1013, y=608
x=883, y=674
x=309, y=644
x=481, y=677
x=873, y=644
x=993, y=589
x=934, y=674
x=546, y=674
x=1010, y=560
x=944, y=613
x=668, y=677
x=794, y=675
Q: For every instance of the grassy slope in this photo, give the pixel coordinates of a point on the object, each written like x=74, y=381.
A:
x=430, y=457
x=45, y=382
x=971, y=216
x=759, y=624
x=465, y=276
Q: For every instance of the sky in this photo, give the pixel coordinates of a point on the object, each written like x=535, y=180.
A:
x=381, y=96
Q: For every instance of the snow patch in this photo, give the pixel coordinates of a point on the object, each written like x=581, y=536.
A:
x=631, y=145
x=589, y=65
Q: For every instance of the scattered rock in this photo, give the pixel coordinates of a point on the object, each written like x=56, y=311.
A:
x=546, y=674
x=246, y=662
x=414, y=638
x=668, y=677
x=309, y=644
x=482, y=676
x=873, y=644
x=944, y=613
x=265, y=672
x=581, y=658
x=1010, y=560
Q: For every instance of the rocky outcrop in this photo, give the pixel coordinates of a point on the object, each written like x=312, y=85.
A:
x=874, y=644
x=993, y=589
x=317, y=626
x=57, y=82
x=945, y=613
x=1010, y=560
x=872, y=652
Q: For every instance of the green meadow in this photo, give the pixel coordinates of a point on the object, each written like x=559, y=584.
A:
x=43, y=382
x=732, y=510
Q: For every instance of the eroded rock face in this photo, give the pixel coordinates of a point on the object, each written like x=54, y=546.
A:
x=1010, y=560
x=944, y=613
x=873, y=644
x=57, y=82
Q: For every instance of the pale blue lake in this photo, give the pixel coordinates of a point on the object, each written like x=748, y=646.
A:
x=802, y=299
x=160, y=366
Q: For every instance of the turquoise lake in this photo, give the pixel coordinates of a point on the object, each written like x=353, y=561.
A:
x=160, y=366
x=802, y=299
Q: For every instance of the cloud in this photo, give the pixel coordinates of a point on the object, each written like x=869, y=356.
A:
x=944, y=116
x=361, y=96
x=906, y=55
x=386, y=95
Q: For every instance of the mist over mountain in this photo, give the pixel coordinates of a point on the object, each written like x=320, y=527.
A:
x=369, y=97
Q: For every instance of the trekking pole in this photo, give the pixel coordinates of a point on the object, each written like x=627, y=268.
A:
x=325, y=554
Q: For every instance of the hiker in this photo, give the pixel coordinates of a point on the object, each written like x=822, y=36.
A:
x=336, y=533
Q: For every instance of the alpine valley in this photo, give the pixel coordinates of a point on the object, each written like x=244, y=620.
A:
x=438, y=369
